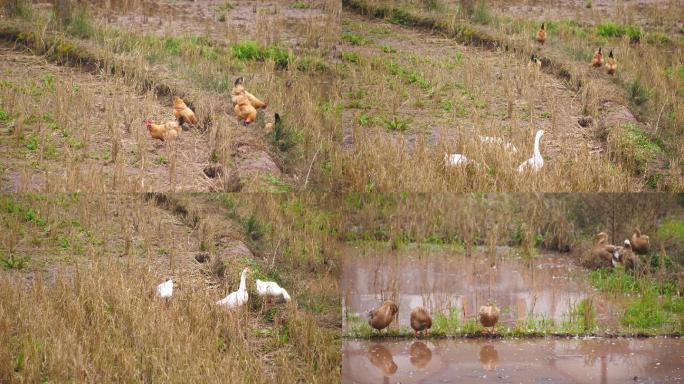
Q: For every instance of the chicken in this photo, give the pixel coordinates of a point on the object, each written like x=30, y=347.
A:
x=611, y=64
x=182, y=113
x=239, y=90
x=167, y=131
x=597, y=60
x=541, y=34
x=244, y=110
x=276, y=125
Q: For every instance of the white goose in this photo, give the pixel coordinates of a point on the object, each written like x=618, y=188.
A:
x=498, y=141
x=536, y=162
x=165, y=289
x=239, y=297
x=271, y=290
x=456, y=159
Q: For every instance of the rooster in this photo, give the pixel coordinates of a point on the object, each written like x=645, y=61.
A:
x=534, y=63
x=244, y=110
x=541, y=34
x=182, y=113
x=163, y=132
x=611, y=64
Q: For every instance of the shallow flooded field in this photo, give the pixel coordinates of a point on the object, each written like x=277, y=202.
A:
x=655, y=360
x=545, y=287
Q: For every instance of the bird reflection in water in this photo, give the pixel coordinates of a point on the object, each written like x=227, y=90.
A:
x=420, y=354
x=489, y=357
x=381, y=357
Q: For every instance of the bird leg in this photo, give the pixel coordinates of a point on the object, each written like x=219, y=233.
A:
x=427, y=332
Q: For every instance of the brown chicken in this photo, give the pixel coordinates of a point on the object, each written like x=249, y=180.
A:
x=541, y=34
x=244, y=110
x=163, y=132
x=421, y=321
x=239, y=89
x=182, y=113
x=489, y=316
x=640, y=243
x=611, y=64
x=382, y=317
x=597, y=59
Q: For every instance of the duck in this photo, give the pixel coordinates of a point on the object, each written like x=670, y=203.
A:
x=420, y=354
x=489, y=316
x=271, y=290
x=382, y=317
x=536, y=162
x=238, y=298
x=456, y=159
x=611, y=64
x=165, y=289
x=605, y=254
x=640, y=243
x=541, y=34
x=421, y=321
x=498, y=141
x=627, y=257
x=597, y=59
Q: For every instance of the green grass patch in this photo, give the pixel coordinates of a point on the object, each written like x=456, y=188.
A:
x=353, y=38
x=251, y=50
x=351, y=57
x=645, y=313
x=396, y=123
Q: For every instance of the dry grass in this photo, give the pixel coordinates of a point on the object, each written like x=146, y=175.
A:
x=78, y=305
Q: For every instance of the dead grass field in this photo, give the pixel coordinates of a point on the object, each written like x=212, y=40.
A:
x=622, y=150
x=78, y=272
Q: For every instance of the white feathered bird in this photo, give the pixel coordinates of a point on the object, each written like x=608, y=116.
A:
x=271, y=290
x=455, y=159
x=536, y=162
x=239, y=297
x=165, y=289
x=498, y=141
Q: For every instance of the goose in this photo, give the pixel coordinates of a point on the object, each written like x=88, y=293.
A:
x=165, y=289
x=640, y=243
x=271, y=290
x=536, y=162
x=239, y=297
x=489, y=316
x=499, y=141
x=421, y=321
x=382, y=317
x=456, y=159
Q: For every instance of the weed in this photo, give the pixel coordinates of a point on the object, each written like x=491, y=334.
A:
x=645, y=313
x=351, y=57
x=353, y=38
x=14, y=262
x=254, y=228
x=300, y=5
x=396, y=124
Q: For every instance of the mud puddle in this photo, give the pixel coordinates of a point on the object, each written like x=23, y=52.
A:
x=547, y=287
x=656, y=360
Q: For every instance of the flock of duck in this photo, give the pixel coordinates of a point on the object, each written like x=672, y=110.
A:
x=268, y=290
x=606, y=254
x=421, y=321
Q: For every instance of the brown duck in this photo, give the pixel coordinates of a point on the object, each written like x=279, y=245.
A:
x=605, y=255
x=640, y=243
x=420, y=354
x=489, y=316
x=421, y=321
x=627, y=257
x=381, y=357
x=382, y=317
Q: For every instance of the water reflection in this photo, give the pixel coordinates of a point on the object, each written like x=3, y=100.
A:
x=489, y=357
x=381, y=357
x=420, y=354
x=656, y=360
